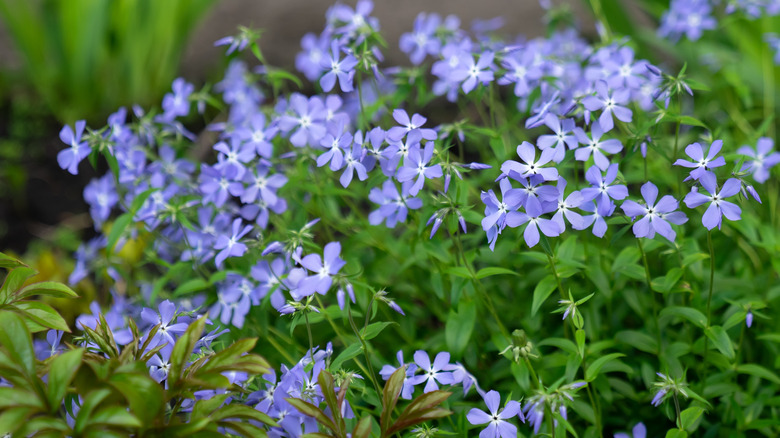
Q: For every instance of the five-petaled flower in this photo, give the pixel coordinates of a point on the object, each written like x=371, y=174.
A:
x=498, y=426
x=719, y=207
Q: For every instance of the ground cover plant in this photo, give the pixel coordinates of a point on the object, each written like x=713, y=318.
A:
x=504, y=237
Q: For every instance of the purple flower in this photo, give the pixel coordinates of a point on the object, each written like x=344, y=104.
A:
x=563, y=136
x=601, y=185
x=307, y=119
x=231, y=159
x=323, y=269
x=336, y=141
x=70, y=158
x=748, y=320
x=415, y=166
x=600, y=211
x=422, y=40
x=235, y=43
x=101, y=196
x=408, y=126
x=165, y=316
x=159, y=365
x=687, y=17
x=258, y=135
x=495, y=210
x=701, y=164
x=216, y=187
x=177, y=104
x=574, y=200
x=533, y=211
x=432, y=373
x=341, y=69
x=609, y=103
x=523, y=70
x=498, y=427
x=408, y=386
x=393, y=207
x=659, y=397
x=595, y=146
x=719, y=207
x=763, y=159
x=230, y=246
x=262, y=186
x=352, y=160
x=655, y=216
x=472, y=72
x=639, y=431
x=50, y=347
x=530, y=166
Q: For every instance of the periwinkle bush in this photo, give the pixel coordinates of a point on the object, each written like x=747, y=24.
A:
x=411, y=224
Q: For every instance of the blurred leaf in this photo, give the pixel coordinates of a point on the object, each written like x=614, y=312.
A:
x=593, y=370
x=542, y=290
x=17, y=341
x=62, y=369
x=721, y=339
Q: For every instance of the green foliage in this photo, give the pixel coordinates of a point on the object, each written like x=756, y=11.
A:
x=107, y=391
x=88, y=57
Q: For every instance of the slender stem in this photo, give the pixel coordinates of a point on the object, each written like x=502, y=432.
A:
x=712, y=274
x=560, y=289
x=532, y=372
x=551, y=420
x=678, y=420
x=340, y=335
x=648, y=281
x=599, y=13
x=596, y=412
x=362, y=121
x=311, y=338
x=479, y=287
x=365, y=350
x=709, y=302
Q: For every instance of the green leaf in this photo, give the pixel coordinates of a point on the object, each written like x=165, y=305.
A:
x=721, y=339
x=243, y=412
x=373, y=330
x=144, y=396
x=459, y=326
x=363, y=428
x=17, y=341
x=8, y=262
x=62, y=369
x=390, y=394
x=542, y=290
x=117, y=228
x=14, y=281
x=115, y=416
x=350, y=352
x=13, y=418
x=183, y=348
x=46, y=288
x=459, y=271
x=309, y=409
x=190, y=286
x=14, y=397
x=579, y=335
x=676, y=433
x=43, y=314
x=325, y=380
x=758, y=371
x=691, y=121
x=694, y=316
x=638, y=340
x=689, y=416
x=489, y=272
x=593, y=370
x=91, y=402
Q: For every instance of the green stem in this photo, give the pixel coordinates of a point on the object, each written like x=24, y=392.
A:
x=532, y=372
x=560, y=289
x=365, y=350
x=678, y=419
x=340, y=335
x=648, y=281
x=599, y=13
x=712, y=274
x=311, y=338
x=479, y=287
x=596, y=412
